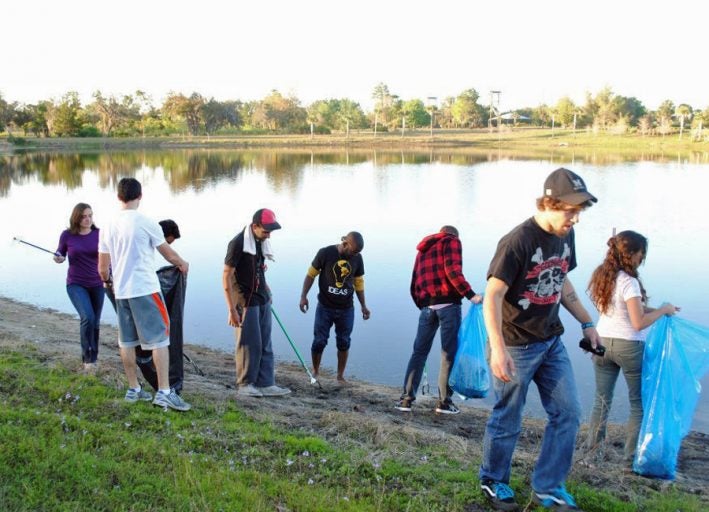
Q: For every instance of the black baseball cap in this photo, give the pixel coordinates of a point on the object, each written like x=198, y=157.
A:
x=567, y=186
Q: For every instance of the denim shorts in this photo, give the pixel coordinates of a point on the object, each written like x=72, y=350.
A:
x=143, y=321
x=325, y=318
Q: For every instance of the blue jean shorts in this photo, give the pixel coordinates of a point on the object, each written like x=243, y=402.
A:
x=143, y=321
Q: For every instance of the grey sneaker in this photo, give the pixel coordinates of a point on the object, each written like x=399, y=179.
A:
x=173, y=401
x=133, y=396
x=446, y=408
x=274, y=391
x=248, y=390
x=404, y=405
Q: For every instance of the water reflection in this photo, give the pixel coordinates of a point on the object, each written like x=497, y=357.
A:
x=197, y=169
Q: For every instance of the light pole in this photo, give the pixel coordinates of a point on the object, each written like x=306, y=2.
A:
x=432, y=106
x=492, y=109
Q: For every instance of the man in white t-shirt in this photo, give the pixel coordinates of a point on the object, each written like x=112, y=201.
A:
x=127, y=246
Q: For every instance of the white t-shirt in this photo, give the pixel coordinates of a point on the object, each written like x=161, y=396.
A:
x=130, y=239
x=615, y=323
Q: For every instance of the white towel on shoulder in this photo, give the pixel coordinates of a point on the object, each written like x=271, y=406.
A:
x=250, y=244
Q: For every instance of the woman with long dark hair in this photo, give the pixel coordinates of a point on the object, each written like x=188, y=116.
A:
x=621, y=300
x=83, y=283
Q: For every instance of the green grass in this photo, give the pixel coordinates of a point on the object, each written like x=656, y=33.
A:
x=528, y=141
x=69, y=442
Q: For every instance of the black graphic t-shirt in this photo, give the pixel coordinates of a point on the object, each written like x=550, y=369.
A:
x=336, y=279
x=534, y=264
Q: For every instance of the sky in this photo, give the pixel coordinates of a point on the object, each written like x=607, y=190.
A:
x=532, y=52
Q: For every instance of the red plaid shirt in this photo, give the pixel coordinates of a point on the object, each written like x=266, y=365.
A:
x=438, y=272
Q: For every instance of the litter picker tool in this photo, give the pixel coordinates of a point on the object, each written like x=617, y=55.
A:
x=18, y=239
x=194, y=365
x=313, y=380
x=425, y=386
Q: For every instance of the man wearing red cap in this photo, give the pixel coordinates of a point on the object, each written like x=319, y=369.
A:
x=248, y=300
x=527, y=282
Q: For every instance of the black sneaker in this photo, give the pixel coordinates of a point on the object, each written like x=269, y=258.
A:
x=446, y=408
x=404, y=405
x=499, y=495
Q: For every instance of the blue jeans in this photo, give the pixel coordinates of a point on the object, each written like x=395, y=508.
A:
x=88, y=302
x=547, y=364
x=254, y=353
x=448, y=319
x=325, y=317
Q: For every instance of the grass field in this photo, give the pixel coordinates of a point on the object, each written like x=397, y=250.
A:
x=69, y=442
x=525, y=141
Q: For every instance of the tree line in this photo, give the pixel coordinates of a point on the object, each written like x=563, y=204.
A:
x=136, y=114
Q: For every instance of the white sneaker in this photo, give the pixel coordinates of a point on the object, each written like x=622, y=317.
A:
x=273, y=391
x=248, y=390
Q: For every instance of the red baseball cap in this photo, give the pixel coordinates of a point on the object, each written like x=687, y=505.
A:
x=267, y=219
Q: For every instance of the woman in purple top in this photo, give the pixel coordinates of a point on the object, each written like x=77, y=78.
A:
x=83, y=284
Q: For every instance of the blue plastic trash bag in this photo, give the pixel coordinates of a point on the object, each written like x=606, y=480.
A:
x=470, y=376
x=676, y=358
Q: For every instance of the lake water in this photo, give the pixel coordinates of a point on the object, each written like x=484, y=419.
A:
x=394, y=199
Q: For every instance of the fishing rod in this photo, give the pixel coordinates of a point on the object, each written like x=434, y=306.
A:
x=18, y=239
x=313, y=380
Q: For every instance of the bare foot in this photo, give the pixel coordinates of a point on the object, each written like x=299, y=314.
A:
x=90, y=368
x=342, y=382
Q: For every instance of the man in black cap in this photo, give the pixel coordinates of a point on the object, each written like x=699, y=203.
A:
x=248, y=300
x=527, y=281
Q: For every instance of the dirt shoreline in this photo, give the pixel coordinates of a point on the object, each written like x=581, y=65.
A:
x=361, y=413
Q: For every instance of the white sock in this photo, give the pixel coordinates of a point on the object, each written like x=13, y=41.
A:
x=164, y=391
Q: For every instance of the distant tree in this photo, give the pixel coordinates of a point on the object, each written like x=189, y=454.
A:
x=606, y=109
x=541, y=115
x=665, y=111
x=64, y=117
x=278, y=112
x=564, y=112
x=444, y=115
x=337, y=114
x=683, y=113
x=396, y=113
x=232, y=110
x=323, y=112
x=700, y=121
x=247, y=113
x=350, y=114
x=415, y=113
x=465, y=110
x=217, y=114
x=7, y=111
x=149, y=119
x=33, y=119
x=630, y=109
x=700, y=116
x=20, y=118
x=108, y=111
x=646, y=124
x=180, y=107
x=588, y=111
x=383, y=101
